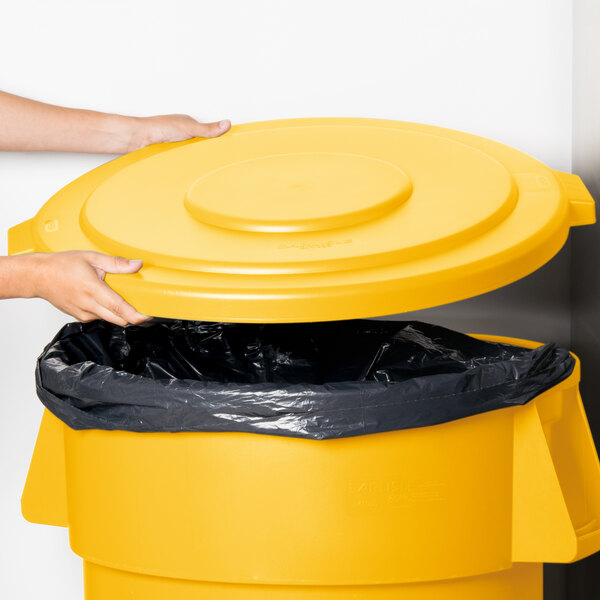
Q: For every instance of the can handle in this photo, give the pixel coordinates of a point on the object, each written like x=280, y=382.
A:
x=556, y=493
x=44, y=498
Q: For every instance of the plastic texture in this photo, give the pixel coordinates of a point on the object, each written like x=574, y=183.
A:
x=314, y=220
x=312, y=380
x=467, y=509
x=522, y=582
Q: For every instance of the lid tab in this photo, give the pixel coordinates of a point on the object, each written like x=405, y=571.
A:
x=581, y=204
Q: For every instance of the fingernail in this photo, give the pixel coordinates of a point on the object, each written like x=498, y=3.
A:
x=224, y=124
x=135, y=260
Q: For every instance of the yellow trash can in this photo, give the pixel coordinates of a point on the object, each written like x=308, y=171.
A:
x=319, y=220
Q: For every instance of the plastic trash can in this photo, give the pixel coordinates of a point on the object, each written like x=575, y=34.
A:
x=314, y=220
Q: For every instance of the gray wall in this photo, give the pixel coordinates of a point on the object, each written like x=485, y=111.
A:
x=583, y=579
x=535, y=308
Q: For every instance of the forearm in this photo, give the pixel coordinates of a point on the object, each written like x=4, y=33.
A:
x=27, y=125
x=18, y=276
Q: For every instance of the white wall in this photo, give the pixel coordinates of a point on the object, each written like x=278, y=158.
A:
x=499, y=68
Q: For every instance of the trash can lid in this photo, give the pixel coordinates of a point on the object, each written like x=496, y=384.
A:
x=314, y=219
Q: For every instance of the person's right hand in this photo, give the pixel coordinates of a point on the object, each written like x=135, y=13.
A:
x=73, y=281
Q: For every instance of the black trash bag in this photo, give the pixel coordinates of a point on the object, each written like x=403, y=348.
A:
x=309, y=380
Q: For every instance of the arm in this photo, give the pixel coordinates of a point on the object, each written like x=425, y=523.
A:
x=27, y=125
x=74, y=281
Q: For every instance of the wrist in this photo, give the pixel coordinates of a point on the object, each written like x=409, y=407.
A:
x=122, y=134
x=21, y=276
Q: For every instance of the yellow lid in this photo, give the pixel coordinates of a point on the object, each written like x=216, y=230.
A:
x=314, y=220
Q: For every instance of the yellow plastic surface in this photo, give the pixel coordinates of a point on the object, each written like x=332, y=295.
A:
x=314, y=219
x=520, y=582
x=450, y=511
x=44, y=498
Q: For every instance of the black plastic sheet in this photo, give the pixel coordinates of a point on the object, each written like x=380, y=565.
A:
x=309, y=380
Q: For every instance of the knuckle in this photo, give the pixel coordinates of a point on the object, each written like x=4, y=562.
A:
x=119, y=262
x=89, y=290
x=117, y=307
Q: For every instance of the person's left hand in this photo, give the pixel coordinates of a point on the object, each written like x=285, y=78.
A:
x=171, y=128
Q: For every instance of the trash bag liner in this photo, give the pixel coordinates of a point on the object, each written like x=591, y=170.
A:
x=309, y=380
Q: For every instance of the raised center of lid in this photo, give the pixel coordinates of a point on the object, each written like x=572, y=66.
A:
x=304, y=191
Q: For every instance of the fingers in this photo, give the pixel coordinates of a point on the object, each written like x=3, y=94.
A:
x=209, y=130
x=114, y=264
x=111, y=307
x=107, y=315
x=172, y=128
x=108, y=305
x=84, y=316
x=73, y=282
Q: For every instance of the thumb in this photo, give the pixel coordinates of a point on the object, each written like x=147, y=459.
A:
x=115, y=264
x=208, y=130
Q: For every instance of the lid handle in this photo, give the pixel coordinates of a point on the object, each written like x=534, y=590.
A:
x=582, y=209
x=20, y=238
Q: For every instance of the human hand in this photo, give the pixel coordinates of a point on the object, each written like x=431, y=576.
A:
x=35, y=126
x=171, y=128
x=73, y=282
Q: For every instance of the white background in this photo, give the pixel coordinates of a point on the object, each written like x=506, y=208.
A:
x=498, y=68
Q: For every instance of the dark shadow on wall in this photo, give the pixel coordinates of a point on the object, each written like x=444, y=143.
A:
x=583, y=578
x=536, y=307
